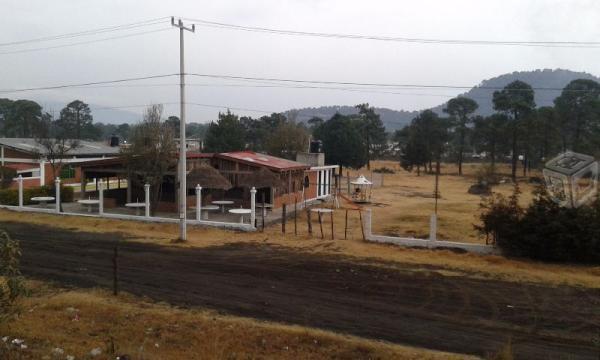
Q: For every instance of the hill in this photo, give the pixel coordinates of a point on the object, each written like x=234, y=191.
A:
x=482, y=93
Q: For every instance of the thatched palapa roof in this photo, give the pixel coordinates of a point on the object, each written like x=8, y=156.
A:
x=208, y=177
x=261, y=178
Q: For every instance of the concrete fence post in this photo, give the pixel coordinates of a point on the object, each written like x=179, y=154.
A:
x=147, y=199
x=198, y=202
x=20, y=181
x=101, y=198
x=57, y=197
x=367, y=223
x=253, y=206
x=433, y=228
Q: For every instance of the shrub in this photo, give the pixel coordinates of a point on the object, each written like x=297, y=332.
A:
x=6, y=176
x=544, y=230
x=486, y=174
x=384, y=170
x=11, y=196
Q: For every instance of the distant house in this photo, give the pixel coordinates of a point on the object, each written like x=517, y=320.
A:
x=29, y=159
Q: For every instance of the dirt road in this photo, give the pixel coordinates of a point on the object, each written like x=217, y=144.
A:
x=396, y=303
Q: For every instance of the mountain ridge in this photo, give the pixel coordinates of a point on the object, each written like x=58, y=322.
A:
x=550, y=80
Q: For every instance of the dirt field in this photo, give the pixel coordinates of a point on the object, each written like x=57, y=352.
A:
x=407, y=304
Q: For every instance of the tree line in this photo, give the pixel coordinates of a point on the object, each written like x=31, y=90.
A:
x=27, y=119
x=519, y=132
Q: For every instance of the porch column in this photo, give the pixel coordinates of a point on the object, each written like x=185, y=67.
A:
x=42, y=173
x=57, y=197
x=253, y=206
x=20, y=181
x=128, y=188
x=147, y=199
x=2, y=154
x=101, y=198
x=198, y=201
x=83, y=184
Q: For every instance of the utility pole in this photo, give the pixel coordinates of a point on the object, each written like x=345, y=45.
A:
x=182, y=142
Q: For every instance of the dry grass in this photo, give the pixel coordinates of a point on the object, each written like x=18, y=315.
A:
x=79, y=321
x=404, y=205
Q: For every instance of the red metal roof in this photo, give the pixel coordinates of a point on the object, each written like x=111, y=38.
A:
x=271, y=162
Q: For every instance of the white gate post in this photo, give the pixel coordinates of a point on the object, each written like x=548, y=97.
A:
x=20, y=181
x=253, y=206
x=147, y=199
x=433, y=228
x=198, y=202
x=100, y=198
x=57, y=197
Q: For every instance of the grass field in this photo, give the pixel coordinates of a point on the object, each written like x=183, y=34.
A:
x=403, y=206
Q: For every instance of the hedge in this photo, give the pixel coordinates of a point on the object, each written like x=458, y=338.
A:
x=543, y=230
x=11, y=196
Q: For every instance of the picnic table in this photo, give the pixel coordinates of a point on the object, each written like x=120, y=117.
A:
x=222, y=204
x=43, y=200
x=136, y=206
x=208, y=208
x=89, y=203
x=240, y=212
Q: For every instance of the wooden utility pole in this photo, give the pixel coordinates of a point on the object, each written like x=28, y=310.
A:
x=182, y=141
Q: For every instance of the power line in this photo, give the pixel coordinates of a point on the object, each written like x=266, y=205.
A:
x=83, y=42
x=89, y=32
x=558, y=44
x=383, y=85
x=88, y=83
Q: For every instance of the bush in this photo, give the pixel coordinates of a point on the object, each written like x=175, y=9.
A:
x=11, y=196
x=486, y=174
x=384, y=170
x=544, y=230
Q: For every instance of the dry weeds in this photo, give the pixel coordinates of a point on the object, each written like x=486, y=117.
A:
x=78, y=321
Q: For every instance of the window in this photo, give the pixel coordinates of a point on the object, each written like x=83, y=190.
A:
x=67, y=172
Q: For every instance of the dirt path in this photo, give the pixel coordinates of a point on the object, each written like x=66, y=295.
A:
x=420, y=308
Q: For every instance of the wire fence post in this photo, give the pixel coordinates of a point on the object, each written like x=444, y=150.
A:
x=332, y=236
x=264, y=210
x=295, y=215
x=283, y=218
x=309, y=220
x=346, y=226
x=321, y=224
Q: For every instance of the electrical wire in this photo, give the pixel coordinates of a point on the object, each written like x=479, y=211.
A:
x=89, y=32
x=83, y=42
x=558, y=44
x=53, y=87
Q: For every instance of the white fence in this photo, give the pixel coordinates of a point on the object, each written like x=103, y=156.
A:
x=146, y=217
x=431, y=243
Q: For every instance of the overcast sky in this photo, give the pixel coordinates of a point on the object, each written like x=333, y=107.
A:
x=222, y=51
